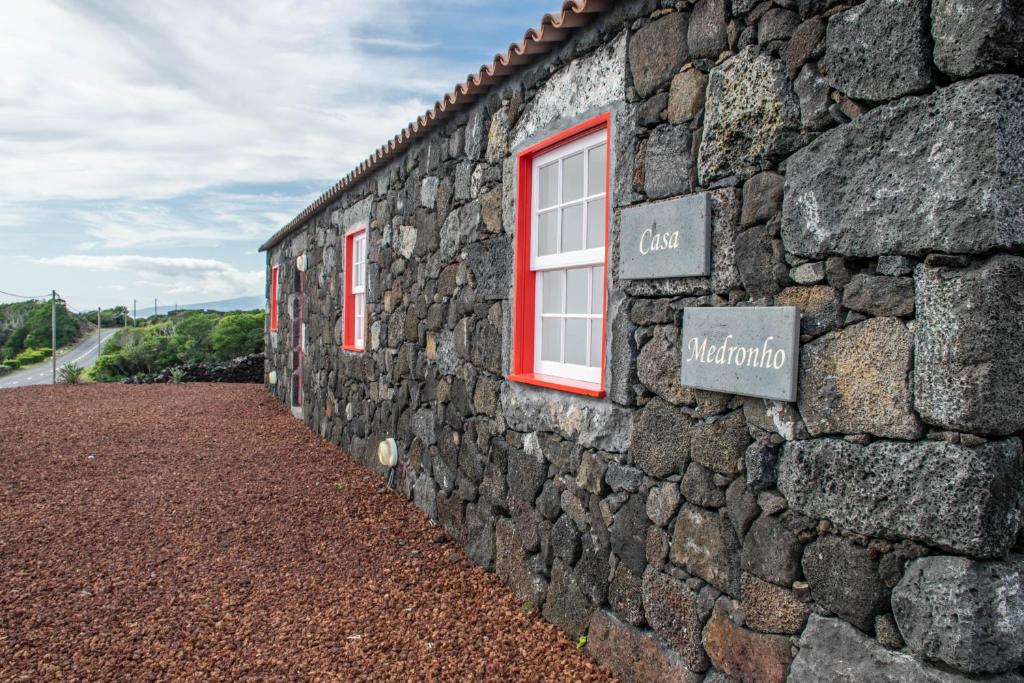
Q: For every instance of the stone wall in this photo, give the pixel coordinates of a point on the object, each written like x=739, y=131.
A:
x=865, y=163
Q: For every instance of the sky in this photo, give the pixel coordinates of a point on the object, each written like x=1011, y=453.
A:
x=148, y=148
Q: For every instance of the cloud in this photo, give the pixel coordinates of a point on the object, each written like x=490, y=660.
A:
x=188, y=277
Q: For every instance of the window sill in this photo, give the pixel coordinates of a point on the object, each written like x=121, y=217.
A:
x=573, y=386
x=349, y=347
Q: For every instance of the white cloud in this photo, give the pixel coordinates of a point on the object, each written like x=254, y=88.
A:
x=186, y=277
x=117, y=99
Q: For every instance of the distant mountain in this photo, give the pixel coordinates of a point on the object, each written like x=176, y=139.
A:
x=242, y=303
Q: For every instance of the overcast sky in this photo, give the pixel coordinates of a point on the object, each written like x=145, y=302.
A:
x=148, y=148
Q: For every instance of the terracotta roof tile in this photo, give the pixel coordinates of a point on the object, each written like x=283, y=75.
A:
x=553, y=29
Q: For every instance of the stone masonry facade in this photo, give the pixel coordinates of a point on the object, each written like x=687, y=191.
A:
x=864, y=163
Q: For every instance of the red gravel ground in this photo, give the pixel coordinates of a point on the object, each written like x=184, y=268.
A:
x=199, y=532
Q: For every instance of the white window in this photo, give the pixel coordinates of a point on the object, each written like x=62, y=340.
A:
x=359, y=289
x=568, y=229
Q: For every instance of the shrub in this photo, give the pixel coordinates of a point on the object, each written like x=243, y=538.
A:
x=177, y=375
x=70, y=373
x=238, y=334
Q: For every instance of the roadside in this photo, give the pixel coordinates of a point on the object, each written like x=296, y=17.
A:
x=199, y=532
x=84, y=354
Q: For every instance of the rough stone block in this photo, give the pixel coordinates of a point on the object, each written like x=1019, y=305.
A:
x=880, y=295
x=844, y=579
x=820, y=307
x=705, y=543
x=634, y=655
x=625, y=595
x=772, y=552
x=590, y=423
x=813, y=91
x=510, y=564
x=566, y=605
x=720, y=443
x=490, y=262
x=832, y=650
x=672, y=612
x=629, y=532
x=957, y=498
x=707, y=35
x=771, y=609
x=742, y=654
x=698, y=486
x=937, y=173
x=968, y=375
x=657, y=51
x=651, y=451
x=669, y=162
x=752, y=117
x=662, y=503
x=967, y=614
x=857, y=381
x=879, y=50
x=686, y=95
x=973, y=37
x=762, y=198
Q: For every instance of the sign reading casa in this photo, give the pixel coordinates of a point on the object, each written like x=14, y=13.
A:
x=751, y=351
x=666, y=239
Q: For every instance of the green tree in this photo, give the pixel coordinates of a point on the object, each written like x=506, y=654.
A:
x=238, y=334
x=195, y=332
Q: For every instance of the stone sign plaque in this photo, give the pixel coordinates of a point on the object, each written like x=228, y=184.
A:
x=666, y=239
x=746, y=351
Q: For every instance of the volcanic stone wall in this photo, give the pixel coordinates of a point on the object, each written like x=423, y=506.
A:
x=864, y=163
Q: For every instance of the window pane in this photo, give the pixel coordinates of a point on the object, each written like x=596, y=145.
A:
x=596, y=181
x=572, y=228
x=552, y=286
x=595, y=223
x=595, y=343
x=576, y=290
x=551, y=339
x=572, y=177
x=548, y=189
x=576, y=341
x=597, y=278
x=547, y=227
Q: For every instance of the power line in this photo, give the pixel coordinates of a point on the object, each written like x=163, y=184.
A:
x=22, y=296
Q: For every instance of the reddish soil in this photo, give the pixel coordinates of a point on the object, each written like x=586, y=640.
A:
x=199, y=532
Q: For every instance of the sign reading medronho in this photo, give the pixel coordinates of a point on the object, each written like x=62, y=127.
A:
x=748, y=351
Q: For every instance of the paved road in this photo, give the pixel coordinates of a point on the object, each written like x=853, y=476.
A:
x=84, y=354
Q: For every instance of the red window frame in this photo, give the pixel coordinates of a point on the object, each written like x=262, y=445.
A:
x=274, y=276
x=525, y=284
x=348, y=308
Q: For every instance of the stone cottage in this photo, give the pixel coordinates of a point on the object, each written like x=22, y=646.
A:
x=551, y=291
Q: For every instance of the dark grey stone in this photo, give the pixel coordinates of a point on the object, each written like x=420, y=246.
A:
x=490, y=262
x=777, y=24
x=844, y=579
x=651, y=451
x=549, y=501
x=880, y=295
x=565, y=540
x=566, y=605
x=957, y=498
x=772, y=552
x=672, y=612
x=762, y=198
x=669, y=162
x=633, y=654
x=707, y=36
x=813, y=91
x=657, y=51
x=705, y=544
x=752, y=117
x=832, y=650
x=526, y=473
x=623, y=477
x=820, y=307
x=879, y=50
x=629, y=533
x=759, y=258
x=650, y=112
x=662, y=503
x=806, y=43
x=512, y=567
x=592, y=570
x=719, y=443
x=967, y=614
x=973, y=37
x=857, y=381
x=968, y=374
x=625, y=595
x=762, y=463
x=881, y=198
x=894, y=265
x=741, y=505
x=698, y=486
x=480, y=541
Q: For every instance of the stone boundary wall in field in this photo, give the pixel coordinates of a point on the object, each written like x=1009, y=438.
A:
x=865, y=163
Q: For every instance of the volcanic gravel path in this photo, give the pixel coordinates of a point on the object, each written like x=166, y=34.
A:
x=199, y=532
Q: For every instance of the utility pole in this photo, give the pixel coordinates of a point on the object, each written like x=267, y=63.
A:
x=99, y=332
x=135, y=312
x=154, y=307
x=53, y=331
